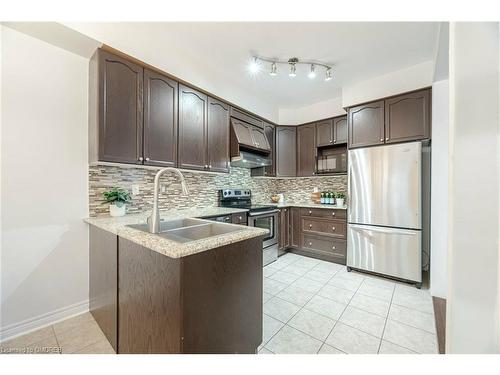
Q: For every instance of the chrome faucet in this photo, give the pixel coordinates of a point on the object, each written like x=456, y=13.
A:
x=154, y=219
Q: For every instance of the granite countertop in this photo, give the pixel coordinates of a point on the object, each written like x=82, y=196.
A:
x=170, y=248
x=311, y=205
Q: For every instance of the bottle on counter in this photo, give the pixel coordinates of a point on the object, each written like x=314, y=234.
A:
x=332, y=198
x=322, y=199
x=329, y=200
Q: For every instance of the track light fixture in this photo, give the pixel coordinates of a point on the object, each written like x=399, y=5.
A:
x=292, y=63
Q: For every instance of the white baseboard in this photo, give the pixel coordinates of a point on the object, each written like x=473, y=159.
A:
x=17, y=329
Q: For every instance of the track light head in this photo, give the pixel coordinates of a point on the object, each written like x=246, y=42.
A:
x=312, y=73
x=328, y=74
x=293, y=71
x=273, y=71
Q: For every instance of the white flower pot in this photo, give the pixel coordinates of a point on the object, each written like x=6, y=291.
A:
x=115, y=211
x=340, y=202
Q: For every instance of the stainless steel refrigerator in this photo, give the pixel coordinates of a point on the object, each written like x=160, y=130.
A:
x=389, y=204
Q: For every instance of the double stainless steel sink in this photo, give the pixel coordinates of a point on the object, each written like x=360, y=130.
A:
x=186, y=230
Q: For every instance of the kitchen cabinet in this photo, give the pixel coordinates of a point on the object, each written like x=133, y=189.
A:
x=119, y=107
x=246, y=117
x=259, y=139
x=218, y=136
x=295, y=227
x=400, y=118
x=340, y=130
x=324, y=133
x=408, y=117
x=270, y=170
x=284, y=231
x=286, y=155
x=306, y=150
x=366, y=124
x=192, y=129
x=160, y=119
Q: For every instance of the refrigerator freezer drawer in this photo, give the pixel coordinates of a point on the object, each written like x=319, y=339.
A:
x=388, y=251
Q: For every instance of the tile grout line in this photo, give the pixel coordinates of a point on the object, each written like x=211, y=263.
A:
x=57, y=340
x=387, y=317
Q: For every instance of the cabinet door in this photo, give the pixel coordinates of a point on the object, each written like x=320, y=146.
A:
x=295, y=227
x=243, y=132
x=120, y=109
x=285, y=227
x=366, y=124
x=160, y=119
x=286, y=137
x=218, y=136
x=407, y=117
x=324, y=133
x=269, y=131
x=259, y=139
x=340, y=130
x=192, y=129
x=306, y=150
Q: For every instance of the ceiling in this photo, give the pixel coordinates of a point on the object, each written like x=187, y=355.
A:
x=358, y=51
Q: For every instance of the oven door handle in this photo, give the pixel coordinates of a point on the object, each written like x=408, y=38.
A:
x=262, y=213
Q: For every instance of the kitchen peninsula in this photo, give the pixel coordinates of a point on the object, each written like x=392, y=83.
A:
x=198, y=290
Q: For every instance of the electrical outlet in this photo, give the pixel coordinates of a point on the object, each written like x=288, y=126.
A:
x=135, y=189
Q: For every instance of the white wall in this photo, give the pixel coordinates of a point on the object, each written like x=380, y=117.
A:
x=439, y=189
x=44, y=189
x=473, y=285
x=408, y=79
x=324, y=109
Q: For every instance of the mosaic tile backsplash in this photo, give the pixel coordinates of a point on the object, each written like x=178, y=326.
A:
x=203, y=187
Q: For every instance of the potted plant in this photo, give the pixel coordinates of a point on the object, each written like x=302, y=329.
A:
x=118, y=199
x=339, y=199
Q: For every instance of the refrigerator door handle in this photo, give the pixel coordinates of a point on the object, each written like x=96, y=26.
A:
x=384, y=230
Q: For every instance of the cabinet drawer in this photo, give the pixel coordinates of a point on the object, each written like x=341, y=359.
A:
x=324, y=244
x=323, y=212
x=239, y=218
x=337, y=228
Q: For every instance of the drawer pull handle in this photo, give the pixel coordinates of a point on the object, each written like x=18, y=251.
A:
x=310, y=212
x=333, y=213
x=240, y=217
x=333, y=247
x=310, y=243
x=333, y=228
x=310, y=226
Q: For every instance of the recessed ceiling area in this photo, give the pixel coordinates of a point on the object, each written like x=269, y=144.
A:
x=203, y=52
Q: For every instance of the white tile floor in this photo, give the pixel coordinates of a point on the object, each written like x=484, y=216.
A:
x=312, y=306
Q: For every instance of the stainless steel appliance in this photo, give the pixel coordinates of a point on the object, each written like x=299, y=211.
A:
x=389, y=203
x=261, y=216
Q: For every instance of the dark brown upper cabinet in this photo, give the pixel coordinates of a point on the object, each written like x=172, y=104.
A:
x=340, y=130
x=260, y=139
x=160, y=119
x=286, y=138
x=407, y=117
x=119, y=102
x=218, y=136
x=269, y=130
x=366, y=124
x=306, y=150
x=192, y=129
x=324, y=133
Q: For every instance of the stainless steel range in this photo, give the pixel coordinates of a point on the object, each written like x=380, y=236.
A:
x=260, y=216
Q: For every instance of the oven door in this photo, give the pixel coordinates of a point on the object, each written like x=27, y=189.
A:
x=266, y=220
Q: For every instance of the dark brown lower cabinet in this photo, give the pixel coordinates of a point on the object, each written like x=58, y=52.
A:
x=316, y=232
x=146, y=302
x=103, y=282
x=284, y=230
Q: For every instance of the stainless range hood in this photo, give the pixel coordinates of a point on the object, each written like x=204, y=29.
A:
x=250, y=160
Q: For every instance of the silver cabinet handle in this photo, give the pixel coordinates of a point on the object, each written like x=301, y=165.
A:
x=331, y=141
x=310, y=243
x=210, y=167
x=310, y=212
x=333, y=213
x=381, y=139
x=334, y=141
x=206, y=166
x=387, y=139
x=333, y=247
x=333, y=228
x=240, y=217
x=141, y=158
x=310, y=226
x=147, y=159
